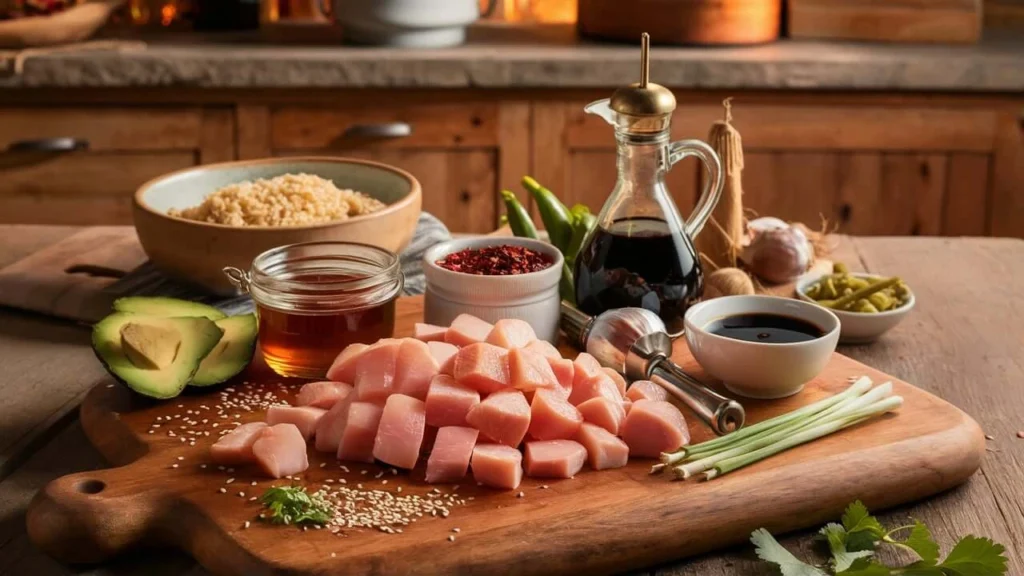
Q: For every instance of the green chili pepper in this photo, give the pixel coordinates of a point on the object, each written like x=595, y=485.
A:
x=555, y=215
x=566, y=285
x=581, y=225
x=518, y=218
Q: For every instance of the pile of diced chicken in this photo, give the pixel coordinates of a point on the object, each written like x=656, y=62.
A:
x=469, y=395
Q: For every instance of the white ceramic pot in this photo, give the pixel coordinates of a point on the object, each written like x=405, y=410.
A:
x=860, y=327
x=406, y=23
x=757, y=369
x=530, y=297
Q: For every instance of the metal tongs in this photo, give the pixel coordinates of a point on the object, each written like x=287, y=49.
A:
x=635, y=342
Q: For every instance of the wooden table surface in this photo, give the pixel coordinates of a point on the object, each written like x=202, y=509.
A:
x=963, y=342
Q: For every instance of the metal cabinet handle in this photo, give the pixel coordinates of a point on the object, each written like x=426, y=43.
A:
x=57, y=145
x=383, y=130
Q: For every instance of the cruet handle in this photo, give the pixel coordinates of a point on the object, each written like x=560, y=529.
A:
x=712, y=184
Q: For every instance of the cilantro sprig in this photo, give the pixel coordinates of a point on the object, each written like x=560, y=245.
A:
x=293, y=505
x=853, y=543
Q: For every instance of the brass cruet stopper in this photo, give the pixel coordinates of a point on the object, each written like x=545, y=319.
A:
x=643, y=100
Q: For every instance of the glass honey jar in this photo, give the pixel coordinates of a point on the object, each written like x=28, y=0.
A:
x=314, y=299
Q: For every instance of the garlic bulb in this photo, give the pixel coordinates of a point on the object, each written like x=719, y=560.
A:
x=727, y=282
x=778, y=255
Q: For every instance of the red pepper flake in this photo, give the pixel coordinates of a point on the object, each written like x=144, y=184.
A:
x=503, y=260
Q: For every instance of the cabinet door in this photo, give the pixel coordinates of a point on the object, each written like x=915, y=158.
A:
x=81, y=165
x=461, y=150
x=866, y=165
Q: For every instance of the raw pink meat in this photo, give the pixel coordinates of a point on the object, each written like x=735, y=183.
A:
x=448, y=366
x=236, y=446
x=646, y=390
x=449, y=459
x=332, y=425
x=554, y=458
x=511, y=333
x=344, y=367
x=585, y=367
x=361, y=423
x=564, y=371
x=503, y=416
x=415, y=368
x=627, y=404
x=448, y=402
x=653, y=427
x=604, y=450
x=375, y=371
x=429, y=436
x=497, y=466
x=401, y=431
x=322, y=394
x=601, y=385
x=281, y=450
x=483, y=367
x=552, y=417
x=529, y=371
x=607, y=414
x=467, y=329
x=620, y=382
x=545, y=349
x=428, y=332
x=442, y=351
x=305, y=418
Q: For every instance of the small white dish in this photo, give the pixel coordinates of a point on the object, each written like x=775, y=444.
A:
x=531, y=297
x=860, y=327
x=757, y=369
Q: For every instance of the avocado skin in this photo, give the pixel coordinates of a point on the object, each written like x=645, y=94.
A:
x=240, y=341
x=166, y=307
x=198, y=338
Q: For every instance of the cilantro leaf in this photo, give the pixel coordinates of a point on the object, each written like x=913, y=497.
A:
x=974, y=556
x=862, y=529
x=769, y=550
x=919, y=541
x=865, y=567
x=842, y=559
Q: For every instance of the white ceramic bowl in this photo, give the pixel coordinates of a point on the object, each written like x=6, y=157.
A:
x=859, y=327
x=755, y=369
x=531, y=297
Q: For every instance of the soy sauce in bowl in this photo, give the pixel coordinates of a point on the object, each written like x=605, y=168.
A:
x=765, y=328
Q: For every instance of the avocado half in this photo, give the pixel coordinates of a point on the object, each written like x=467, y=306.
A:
x=232, y=354
x=166, y=307
x=196, y=337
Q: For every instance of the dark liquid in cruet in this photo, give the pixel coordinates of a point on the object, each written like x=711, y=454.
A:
x=642, y=263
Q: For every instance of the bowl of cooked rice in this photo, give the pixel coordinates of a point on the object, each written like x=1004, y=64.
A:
x=194, y=222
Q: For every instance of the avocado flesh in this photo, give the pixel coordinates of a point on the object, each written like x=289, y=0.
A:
x=198, y=336
x=232, y=354
x=148, y=345
x=166, y=307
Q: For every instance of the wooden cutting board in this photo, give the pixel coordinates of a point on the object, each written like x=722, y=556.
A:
x=163, y=493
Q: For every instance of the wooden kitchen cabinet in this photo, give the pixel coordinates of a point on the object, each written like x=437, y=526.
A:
x=105, y=153
x=462, y=150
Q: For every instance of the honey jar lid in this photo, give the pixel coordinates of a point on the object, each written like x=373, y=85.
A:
x=642, y=100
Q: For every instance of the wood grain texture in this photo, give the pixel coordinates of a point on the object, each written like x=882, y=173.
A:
x=967, y=201
x=107, y=128
x=943, y=21
x=929, y=446
x=1007, y=218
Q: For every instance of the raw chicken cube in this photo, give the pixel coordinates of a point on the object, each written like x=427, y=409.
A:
x=448, y=402
x=604, y=450
x=401, y=431
x=497, y=466
x=322, y=394
x=601, y=385
x=483, y=367
x=236, y=446
x=627, y=404
x=467, y=329
x=344, y=367
x=429, y=436
x=415, y=368
x=554, y=458
x=653, y=427
x=305, y=418
x=585, y=367
x=360, y=432
x=564, y=371
x=332, y=425
x=545, y=349
x=620, y=382
x=449, y=459
x=646, y=390
x=442, y=352
x=375, y=371
x=607, y=414
x=552, y=417
x=280, y=450
x=428, y=332
x=529, y=371
x=503, y=416
x=511, y=333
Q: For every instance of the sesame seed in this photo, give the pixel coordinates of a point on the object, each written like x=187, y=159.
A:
x=230, y=480
x=383, y=481
x=456, y=530
x=222, y=490
x=544, y=487
x=181, y=457
x=451, y=538
x=246, y=525
x=174, y=465
x=520, y=495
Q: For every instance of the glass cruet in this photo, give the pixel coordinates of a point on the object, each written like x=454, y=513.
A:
x=641, y=252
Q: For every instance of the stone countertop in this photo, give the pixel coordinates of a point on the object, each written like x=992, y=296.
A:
x=544, y=58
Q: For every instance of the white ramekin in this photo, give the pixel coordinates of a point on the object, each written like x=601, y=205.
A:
x=530, y=297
